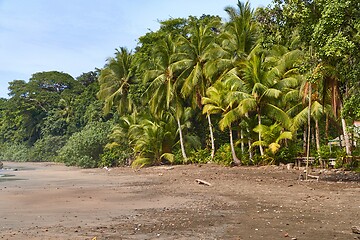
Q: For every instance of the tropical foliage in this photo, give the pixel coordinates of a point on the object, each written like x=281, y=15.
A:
x=260, y=87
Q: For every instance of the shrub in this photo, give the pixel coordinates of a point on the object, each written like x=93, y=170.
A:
x=286, y=154
x=115, y=155
x=84, y=148
x=324, y=152
x=223, y=155
x=140, y=162
x=200, y=156
x=15, y=152
x=340, y=157
x=178, y=158
x=45, y=149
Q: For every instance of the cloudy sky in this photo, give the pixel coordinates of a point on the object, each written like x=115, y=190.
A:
x=76, y=36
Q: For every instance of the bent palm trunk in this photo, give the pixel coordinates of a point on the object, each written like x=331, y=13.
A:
x=317, y=139
x=346, y=137
x=211, y=137
x=260, y=146
x=182, y=141
x=235, y=159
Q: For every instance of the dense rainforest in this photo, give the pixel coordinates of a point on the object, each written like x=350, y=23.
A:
x=261, y=87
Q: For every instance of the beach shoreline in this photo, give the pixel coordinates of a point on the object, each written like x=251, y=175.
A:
x=52, y=201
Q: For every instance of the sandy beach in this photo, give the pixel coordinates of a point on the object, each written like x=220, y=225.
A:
x=52, y=201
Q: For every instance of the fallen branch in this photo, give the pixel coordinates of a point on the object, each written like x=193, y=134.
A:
x=164, y=168
x=356, y=229
x=199, y=181
x=313, y=176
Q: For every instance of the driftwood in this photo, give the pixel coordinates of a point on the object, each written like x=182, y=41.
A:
x=313, y=176
x=199, y=181
x=356, y=230
x=165, y=168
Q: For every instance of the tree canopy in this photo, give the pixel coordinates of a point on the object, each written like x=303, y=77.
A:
x=260, y=87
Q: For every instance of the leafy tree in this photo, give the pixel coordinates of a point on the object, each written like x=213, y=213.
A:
x=46, y=149
x=84, y=148
x=330, y=30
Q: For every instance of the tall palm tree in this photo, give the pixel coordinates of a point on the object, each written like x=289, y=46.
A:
x=241, y=33
x=195, y=51
x=115, y=79
x=263, y=79
x=234, y=43
x=216, y=102
x=163, y=92
x=331, y=86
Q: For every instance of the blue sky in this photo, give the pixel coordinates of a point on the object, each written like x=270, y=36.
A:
x=76, y=36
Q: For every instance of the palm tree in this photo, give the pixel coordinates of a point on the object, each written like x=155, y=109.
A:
x=324, y=99
x=240, y=35
x=272, y=136
x=261, y=81
x=195, y=52
x=115, y=79
x=331, y=85
x=153, y=139
x=216, y=102
x=163, y=91
x=234, y=44
x=261, y=90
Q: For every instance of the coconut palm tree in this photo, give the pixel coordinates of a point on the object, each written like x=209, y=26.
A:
x=234, y=43
x=163, y=92
x=216, y=102
x=263, y=78
x=241, y=33
x=271, y=138
x=195, y=51
x=153, y=139
x=115, y=79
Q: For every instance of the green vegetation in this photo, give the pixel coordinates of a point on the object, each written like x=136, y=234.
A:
x=241, y=91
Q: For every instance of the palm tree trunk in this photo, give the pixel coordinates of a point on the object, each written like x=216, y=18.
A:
x=182, y=141
x=233, y=153
x=308, y=134
x=242, y=142
x=346, y=137
x=249, y=143
x=327, y=129
x=249, y=140
x=317, y=134
x=211, y=137
x=317, y=139
x=260, y=146
x=304, y=141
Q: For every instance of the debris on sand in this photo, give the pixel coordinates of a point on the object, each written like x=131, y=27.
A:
x=199, y=181
x=355, y=229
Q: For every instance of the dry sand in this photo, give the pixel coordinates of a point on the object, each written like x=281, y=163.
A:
x=51, y=201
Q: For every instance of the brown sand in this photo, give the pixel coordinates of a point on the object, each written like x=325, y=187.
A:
x=56, y=202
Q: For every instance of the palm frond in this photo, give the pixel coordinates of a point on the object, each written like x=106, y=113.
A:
x=299, y=120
